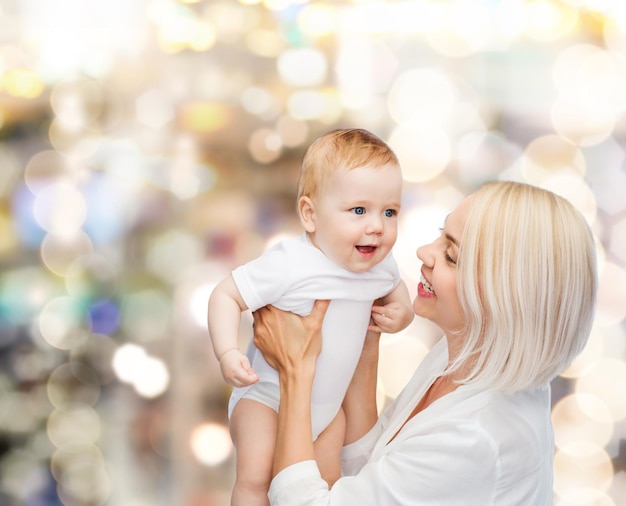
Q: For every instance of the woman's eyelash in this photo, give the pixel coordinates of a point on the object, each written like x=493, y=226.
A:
x=445, y=253
x=449, y=258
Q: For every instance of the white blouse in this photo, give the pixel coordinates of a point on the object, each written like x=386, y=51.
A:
x=470, y=446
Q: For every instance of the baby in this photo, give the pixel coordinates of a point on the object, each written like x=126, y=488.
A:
x=349, y=197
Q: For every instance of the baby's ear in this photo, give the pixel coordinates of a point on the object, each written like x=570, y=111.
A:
x=306, y=210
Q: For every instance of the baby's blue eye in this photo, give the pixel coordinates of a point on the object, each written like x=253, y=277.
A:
x=358, y=210
x=389, y=213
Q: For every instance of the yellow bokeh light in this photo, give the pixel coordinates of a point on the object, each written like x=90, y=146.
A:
x=463, y=29
x=265, y=145
x=574, y=188
x=577, y=496
x=580, y=466
x=612, y=294
x=22, y=83
x=293, y=132
x=318, y=19
x=421, y=95
x=301, y=67
x=202, y=36
x=204, y=117
x=46, y=167
x=265, y=43
x=278, y=5
x=306, y=104
x=548, y=155
x=74, y=426
x=549, y=19
x=592, y=351
x=423, y=150
x=606, y=380
x=582, y=118
x=572, y=423
x=9, y=241
x=399, y=356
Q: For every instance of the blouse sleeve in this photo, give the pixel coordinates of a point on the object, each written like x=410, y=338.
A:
x=456, y=464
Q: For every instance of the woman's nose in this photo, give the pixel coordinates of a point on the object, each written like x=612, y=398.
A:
x=424, y=253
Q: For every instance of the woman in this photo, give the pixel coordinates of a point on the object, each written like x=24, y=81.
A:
x=512, y=283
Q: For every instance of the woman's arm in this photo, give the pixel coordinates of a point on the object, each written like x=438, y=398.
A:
x=360, y=404
x=291, y=345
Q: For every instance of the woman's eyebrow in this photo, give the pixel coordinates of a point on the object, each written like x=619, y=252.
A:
x=451, y=239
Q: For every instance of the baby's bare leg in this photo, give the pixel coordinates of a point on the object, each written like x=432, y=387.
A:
x=328, y=449
x=253, y=429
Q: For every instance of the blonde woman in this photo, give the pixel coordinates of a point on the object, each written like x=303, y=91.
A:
x=511, y=282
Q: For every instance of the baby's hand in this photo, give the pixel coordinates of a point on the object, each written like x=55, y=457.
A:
x=236, y=369
x=391, y=318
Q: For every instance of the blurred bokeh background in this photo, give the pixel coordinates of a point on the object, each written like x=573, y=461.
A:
x=147, y=147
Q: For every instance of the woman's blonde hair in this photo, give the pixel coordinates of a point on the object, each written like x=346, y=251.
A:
x=527, y=284
x=341, y=149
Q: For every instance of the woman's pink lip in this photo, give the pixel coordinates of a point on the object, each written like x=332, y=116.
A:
x=422, y=292
x=420, y=287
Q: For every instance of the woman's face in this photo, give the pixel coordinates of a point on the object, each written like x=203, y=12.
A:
x=437, y=296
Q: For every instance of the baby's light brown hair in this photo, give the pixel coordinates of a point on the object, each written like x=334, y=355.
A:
x=341, y=149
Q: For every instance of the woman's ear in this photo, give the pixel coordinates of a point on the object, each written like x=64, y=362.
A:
x=306, y=210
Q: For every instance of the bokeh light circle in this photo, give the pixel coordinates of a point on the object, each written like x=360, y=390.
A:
x=61, y=323
x=574, y=188
x=611, y=294
x=399, y=356
x=74, y=427
x=580, y=466
x=73, y=382
x=302, y=67
x=59, y=251
x=606, y=379
x=581, y=417
x=423, y=150
x=211, y=443
x=421, y=94
x=551, y=154
x=60, y=208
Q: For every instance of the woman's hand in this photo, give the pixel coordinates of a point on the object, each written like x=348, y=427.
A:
x=291, y=344
x=289, y=341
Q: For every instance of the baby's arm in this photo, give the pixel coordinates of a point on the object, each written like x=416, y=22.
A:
x=394, y=312
x=224, y=316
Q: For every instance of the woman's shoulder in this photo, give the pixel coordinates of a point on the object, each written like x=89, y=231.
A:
x=518, y=425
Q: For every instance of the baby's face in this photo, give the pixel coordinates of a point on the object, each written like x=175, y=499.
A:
x=356, y=216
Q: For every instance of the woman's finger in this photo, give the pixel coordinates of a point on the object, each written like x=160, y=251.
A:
x=318, y=312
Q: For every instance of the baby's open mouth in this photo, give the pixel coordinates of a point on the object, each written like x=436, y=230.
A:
x=366, y=249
